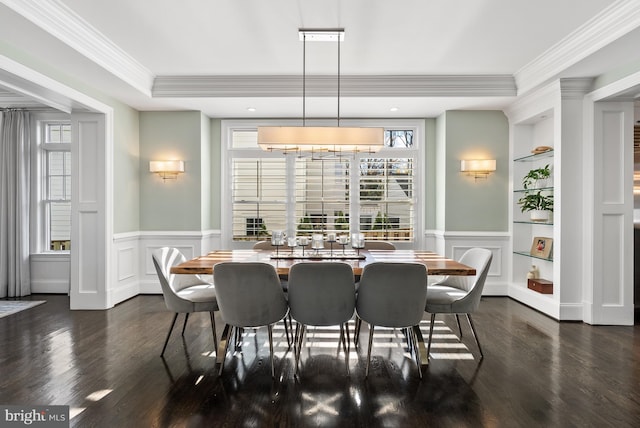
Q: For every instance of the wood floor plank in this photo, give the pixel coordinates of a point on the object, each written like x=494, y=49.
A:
x=106, y=366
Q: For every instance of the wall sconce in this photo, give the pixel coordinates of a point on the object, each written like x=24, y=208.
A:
x=479, y=168
x=168, y=169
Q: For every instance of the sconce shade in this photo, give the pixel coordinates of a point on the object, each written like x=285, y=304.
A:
x=320, y=138
x=479, y=168
x=478, y=165
x=167, y=169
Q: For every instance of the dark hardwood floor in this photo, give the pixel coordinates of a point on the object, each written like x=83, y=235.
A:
x=106, y=366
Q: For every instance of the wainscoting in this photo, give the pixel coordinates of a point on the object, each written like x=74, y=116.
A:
x=133, y=272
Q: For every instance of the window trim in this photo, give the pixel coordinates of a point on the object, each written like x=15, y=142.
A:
x=228, y=126
x=39, y=234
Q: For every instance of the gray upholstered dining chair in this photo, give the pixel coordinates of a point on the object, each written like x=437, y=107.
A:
x=392, y=295
x=457, y=294
x=379, y=245
x=249, y=296
x=322, y=294
x=183, y=293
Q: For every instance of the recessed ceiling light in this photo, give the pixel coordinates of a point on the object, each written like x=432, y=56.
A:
x=251, y=109
x=393, y=109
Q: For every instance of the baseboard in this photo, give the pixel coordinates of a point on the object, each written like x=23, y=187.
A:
x=50, y=286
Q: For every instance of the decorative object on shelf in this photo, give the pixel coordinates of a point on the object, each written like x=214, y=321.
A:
x=533, y=272
x=167, y=169
x=542, y=286
x=537, y=200
x=478, y=168
x=536, y=178
x=333, y=139
x=538, y=204
x=541, y=149
x=541, y=247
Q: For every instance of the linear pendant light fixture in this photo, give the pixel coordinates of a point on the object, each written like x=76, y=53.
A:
x=304, y=138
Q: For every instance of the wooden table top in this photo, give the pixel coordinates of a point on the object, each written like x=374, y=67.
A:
x=436, y=264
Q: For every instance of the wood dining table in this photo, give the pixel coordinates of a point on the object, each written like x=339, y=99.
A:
x=283, y=259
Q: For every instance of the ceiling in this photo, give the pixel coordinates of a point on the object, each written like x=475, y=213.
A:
x=223, y=57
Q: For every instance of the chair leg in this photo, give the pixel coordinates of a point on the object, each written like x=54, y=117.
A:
x=184, y=326
x=433, y=320
x=475, y=335
x=348, y=346
x=341, y=340
x=213, y=328
x=270, y=330
x=299, y=339
x=366, y=372
x=175, y=317
x=356, y=332
x=414, y=343
x=222, y=347
x=459, y=326
x=287, y=328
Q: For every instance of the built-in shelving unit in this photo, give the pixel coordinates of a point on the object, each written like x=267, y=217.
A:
x=527, y=136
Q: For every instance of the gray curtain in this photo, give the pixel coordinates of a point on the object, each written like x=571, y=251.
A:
x=14, y=203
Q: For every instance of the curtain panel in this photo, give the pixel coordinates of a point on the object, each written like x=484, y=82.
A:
x=14, y=203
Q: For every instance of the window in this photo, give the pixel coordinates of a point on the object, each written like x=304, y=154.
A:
x=373, y=194
x=55, y=145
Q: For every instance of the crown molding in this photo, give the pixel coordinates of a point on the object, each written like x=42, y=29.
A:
x=326, y=86
x=57, y=19
x=612, y=23
x=575, y=88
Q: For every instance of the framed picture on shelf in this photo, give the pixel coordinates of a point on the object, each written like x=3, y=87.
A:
x=541, y=247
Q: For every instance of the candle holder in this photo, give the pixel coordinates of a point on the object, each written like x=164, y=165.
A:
x=278, y=239
x=344, y=241
x=303, y=242
x=357, y=241
x=317, y=242
x=331, y=239
x=292, y=243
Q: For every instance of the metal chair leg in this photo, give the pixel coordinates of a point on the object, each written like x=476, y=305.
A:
x=222, y=347
x=213, y=327
x=433, y=320
x=341, y=340
x=184, y=326
x=475, y=335
x=459, y=326
x=366, y=372
x=300, y=339
x=356, y=333
x=348, y=345
x=175, y=317
x=270, y=329
x=411, y=333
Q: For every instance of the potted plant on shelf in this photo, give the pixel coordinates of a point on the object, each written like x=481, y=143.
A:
x=538, y=204
x=536, y=178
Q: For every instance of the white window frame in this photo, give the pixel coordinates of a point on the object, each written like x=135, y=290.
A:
x=40, y=234
x=418, y=150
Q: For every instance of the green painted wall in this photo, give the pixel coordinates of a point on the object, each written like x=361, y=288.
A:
x=171, y=204
x=469, y=204
x=126, y=167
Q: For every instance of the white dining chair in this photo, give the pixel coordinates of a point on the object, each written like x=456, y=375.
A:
x=183, y=293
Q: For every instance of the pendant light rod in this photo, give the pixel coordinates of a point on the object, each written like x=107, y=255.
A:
x=338, y=81
x=304, y=80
